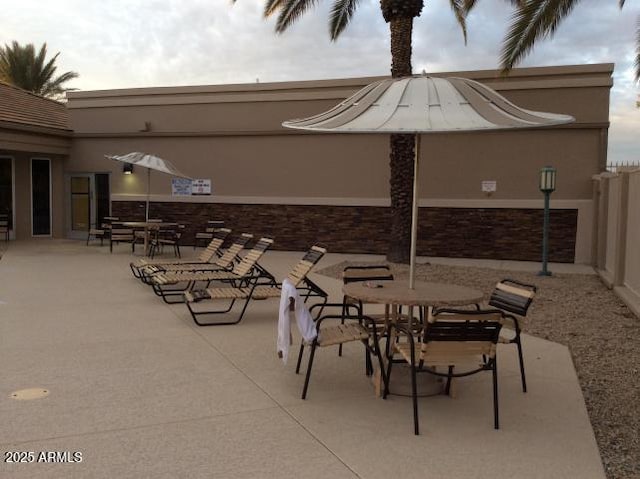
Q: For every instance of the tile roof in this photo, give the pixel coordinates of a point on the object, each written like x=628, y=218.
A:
x=25, y=108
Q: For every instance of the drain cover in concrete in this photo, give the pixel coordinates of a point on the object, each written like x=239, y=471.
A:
x=28, y=394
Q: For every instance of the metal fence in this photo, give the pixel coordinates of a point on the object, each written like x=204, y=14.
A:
x=623, y=166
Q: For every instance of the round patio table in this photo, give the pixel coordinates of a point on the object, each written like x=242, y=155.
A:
x=425, y=294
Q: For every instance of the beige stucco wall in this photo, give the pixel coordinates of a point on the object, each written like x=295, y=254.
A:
x=632, y=257
x=232, y=134
x=618, y=235
x=355, y=166
x=613, y=210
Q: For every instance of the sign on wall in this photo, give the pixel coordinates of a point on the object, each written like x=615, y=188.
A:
x=201, y=187
x=489, y=186
x=180, y=187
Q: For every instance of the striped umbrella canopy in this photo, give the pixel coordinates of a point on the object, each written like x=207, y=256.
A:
x=151, y=162
x=420, y=105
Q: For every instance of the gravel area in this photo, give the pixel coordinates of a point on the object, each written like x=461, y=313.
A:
x=602, y=334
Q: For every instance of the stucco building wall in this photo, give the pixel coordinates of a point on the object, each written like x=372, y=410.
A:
x=232, y=135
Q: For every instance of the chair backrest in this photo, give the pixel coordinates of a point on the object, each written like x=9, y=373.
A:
x=154, y=220
x=353, y=274
x=213, y=225
x=107, y=221
x=478, y=333
x=121, y=234
x=306, y=264
x=251, y=258
x=214, y=245
x=513, y=296
x=226, y=260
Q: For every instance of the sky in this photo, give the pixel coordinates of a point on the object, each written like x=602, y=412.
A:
x=144, y=43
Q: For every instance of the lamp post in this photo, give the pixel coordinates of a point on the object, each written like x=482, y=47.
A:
x=547, y=186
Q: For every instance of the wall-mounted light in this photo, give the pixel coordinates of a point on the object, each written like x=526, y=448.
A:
x=127, y=169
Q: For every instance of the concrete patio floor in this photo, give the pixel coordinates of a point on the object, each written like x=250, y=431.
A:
x=143, y=392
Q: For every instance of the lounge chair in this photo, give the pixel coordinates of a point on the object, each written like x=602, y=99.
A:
x=225, y=262
x=206, y=235
x=242, y=274
x=260, y=288
x=146, y=267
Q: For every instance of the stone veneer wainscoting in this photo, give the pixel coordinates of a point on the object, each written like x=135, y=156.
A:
x=485, y=233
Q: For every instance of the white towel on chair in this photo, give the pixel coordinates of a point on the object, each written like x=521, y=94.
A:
x=306, y=326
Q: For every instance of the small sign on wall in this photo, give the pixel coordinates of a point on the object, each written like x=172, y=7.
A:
x=201, y=187
x=489, y=186
x=180, y=187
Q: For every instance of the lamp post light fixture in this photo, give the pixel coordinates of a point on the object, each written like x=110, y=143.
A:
x=547, y=186
x=127, y=168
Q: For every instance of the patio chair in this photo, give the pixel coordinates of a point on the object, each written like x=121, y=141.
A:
x=103, y=231
x=463, y=343
x=355, y=274
x=4, y=226
x=242, y=274
x=260, y=287
x=372, y=273
x=353, y=326
x=202, y=237
x=511, y=296
x=121, y=235
x=170, y=237
x=212, y=249
x=140, y=233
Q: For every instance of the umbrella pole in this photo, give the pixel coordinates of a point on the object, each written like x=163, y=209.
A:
x=146, y=216
x=414, y=212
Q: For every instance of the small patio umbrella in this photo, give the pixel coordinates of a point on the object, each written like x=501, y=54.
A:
x=150, y=162
x=419, y=105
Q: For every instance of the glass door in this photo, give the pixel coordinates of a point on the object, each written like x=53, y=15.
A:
x=81, y=203
x=6, y=192
x=40, y=197
x=89, y=202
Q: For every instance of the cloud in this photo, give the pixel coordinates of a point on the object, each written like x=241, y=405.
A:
x=124, y=44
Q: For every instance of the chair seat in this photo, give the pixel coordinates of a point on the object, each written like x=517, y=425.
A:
x=450, y=353
x=204, y=235
x=260, y=292
x=342, y=333
x=96, y=232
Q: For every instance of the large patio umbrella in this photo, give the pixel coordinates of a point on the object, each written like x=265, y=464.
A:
x=150, y=162
x=419, y=105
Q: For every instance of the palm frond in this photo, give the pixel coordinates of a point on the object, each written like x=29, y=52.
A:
x=340, y=16
x=270, y=6
x=23, y=67
x=460, y=8
x=638, y=52
x=532, y=20
x=290, y=11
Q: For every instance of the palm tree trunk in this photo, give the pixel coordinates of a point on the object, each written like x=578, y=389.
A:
x=401, y=154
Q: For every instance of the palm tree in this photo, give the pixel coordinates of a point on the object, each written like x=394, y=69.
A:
x=22, y=67
x=399, y=14
x=536, y=19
